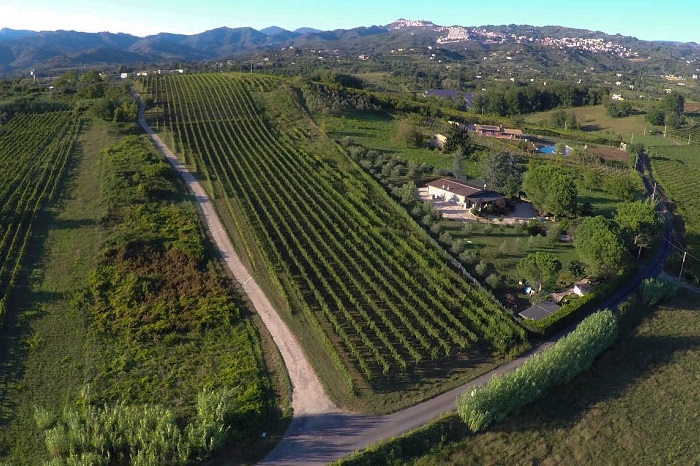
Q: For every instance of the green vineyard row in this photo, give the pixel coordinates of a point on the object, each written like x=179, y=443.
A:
x=34, y=152
x=380, y=298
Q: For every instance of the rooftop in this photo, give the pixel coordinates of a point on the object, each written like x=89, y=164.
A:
x=462, y=188
x=540, y=310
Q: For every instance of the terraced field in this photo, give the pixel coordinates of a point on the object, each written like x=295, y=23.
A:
x=344, y=261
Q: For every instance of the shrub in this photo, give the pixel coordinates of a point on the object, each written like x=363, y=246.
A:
x=493, y=280
x=469, y=257
x=481, y=268
x=555, y=366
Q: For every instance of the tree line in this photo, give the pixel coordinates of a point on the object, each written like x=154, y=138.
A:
x=518, y=100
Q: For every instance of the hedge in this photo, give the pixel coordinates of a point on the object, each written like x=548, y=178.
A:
x=555, y=366
x=570, y=311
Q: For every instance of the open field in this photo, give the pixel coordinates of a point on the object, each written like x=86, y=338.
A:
x=595, y=120
x=376, y=131
x=638, y=404
x=341, y=258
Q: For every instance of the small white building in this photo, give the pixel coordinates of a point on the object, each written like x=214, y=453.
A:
x=437, y=141
x=582, y=287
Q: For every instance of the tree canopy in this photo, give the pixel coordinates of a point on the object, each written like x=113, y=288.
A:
x=540, y=268
x=599, y=244
x=638, y=223
x=458, y=141
x=500, y=172
x=551, y=190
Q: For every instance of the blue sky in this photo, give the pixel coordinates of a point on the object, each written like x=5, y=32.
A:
x=645, y=19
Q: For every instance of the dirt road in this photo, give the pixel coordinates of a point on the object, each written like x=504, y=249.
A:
x=308, y=396
x=320, y=432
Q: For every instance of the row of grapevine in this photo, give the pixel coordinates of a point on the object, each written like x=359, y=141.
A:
x=677, y=169
x=374, y=290
x=34, y=153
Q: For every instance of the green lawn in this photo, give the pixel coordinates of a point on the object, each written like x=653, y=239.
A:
x=502, y=247
x=638, y=404
x=596, y=119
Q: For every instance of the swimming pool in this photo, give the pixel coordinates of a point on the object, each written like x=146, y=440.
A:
x=552, y=149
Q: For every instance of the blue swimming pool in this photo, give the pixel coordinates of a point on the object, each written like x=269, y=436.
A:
x=552, y=149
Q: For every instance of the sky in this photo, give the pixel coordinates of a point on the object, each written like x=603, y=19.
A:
x=675, y=20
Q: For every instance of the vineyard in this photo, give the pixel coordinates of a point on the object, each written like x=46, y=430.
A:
x=678, y=171
x=381, y=300
x=34, y=153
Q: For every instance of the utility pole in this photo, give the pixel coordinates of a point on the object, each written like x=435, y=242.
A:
x=680, y=275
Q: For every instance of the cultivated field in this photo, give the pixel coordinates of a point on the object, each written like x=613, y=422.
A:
x=637, y=404
x=375, y=305
x=678, y=170
x=34, y=153
x=125, y=329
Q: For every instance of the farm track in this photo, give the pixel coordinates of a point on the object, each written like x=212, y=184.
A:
x=320, y=432
x=308, y=396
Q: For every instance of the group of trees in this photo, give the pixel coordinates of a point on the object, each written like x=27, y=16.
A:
x=518, y=100
x=619, y=109
x=606, y=246
x=501, y=173
x=551, y=190
x=670, y=112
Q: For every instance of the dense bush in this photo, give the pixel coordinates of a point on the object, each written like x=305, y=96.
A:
x=555, y=366
x=137, y=435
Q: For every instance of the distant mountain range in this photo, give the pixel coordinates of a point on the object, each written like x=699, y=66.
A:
x=45, y=51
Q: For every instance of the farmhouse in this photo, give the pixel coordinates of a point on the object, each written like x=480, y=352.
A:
x=498, y=132
x=464, y=194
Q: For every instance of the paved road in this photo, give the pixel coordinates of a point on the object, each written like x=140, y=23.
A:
x=320, y=433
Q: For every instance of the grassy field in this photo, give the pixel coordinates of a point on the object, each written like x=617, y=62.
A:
x=596, y=119
x=502, y=246
x=377, y=131
x=638, y=404
x=56, y=344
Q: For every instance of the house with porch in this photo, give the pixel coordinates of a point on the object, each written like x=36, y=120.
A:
x=464, y=194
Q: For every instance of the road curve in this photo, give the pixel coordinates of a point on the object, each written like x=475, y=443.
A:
x=319, y=432
x=308, y=395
